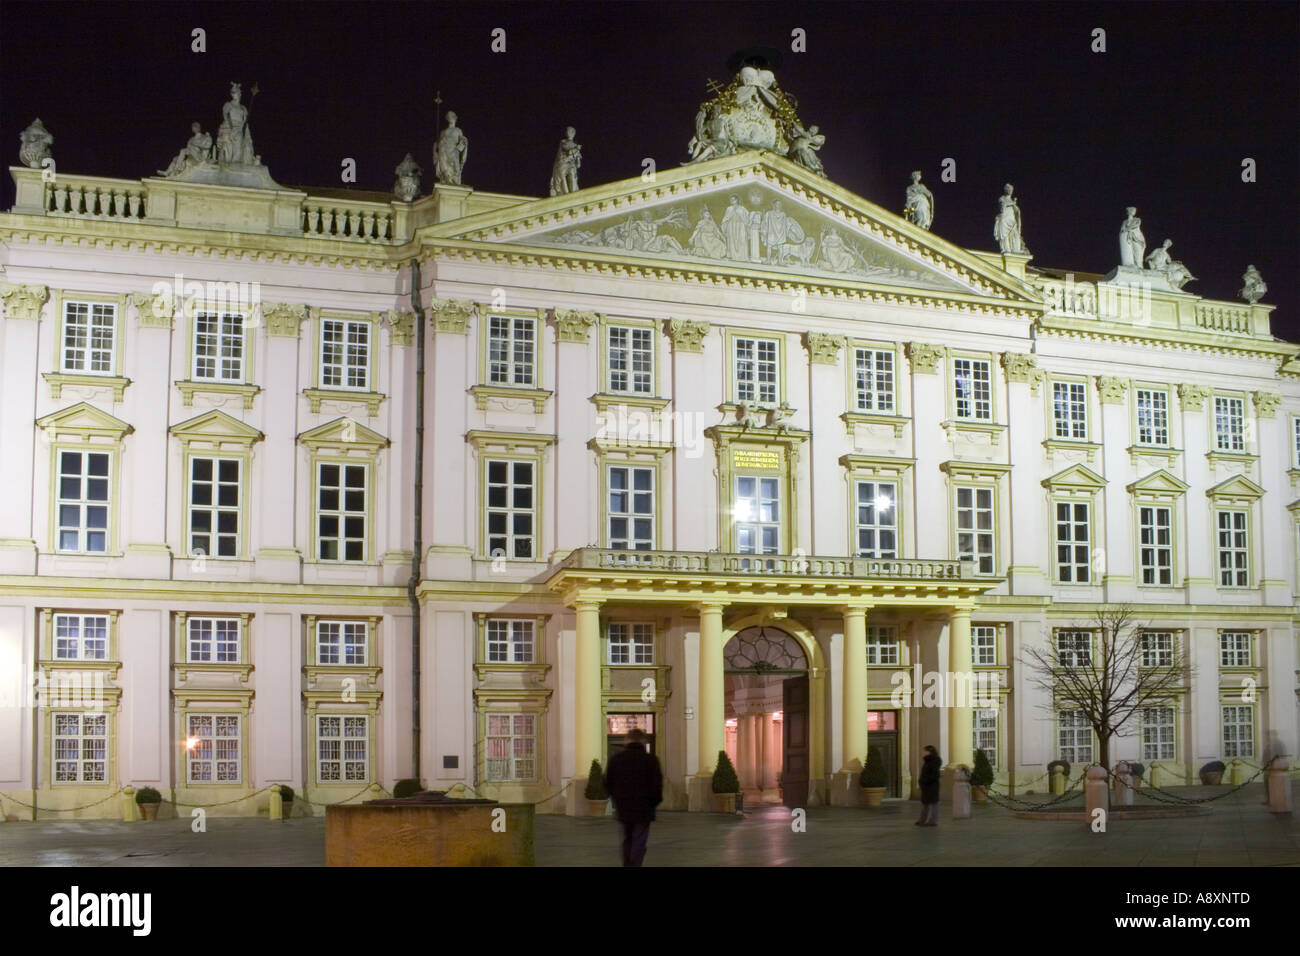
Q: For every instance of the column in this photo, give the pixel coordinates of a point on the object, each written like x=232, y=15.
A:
x=586, y=690
x=960, y=717
x=855, y=690
x=1116, y=571
x=712, y=709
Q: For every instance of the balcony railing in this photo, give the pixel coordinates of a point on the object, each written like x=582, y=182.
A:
x=779, y=565
x=1069, y=298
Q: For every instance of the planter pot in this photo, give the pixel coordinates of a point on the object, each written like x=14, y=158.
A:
x=1212, y=779
x=723, y=802
x=979, y=793
x=871, y=796
x=594, y=808
x=148, y=810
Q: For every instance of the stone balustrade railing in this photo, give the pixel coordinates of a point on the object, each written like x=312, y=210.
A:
x=1069, y=298
x=1217, y=317
x=714, y=562
x=90, y=197
x=351, y=221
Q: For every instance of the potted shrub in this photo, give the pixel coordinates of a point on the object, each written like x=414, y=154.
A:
x=286, y=798
x=1212, y=773
x=726, y=785
x=981, y=777
x=1137, y=771
x=148, y=800
x=595, y=793
x=872, y=780
x=406, y=788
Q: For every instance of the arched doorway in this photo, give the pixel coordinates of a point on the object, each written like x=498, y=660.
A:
x=767, y=710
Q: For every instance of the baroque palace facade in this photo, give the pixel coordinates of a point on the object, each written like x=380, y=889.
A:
x=719, y=454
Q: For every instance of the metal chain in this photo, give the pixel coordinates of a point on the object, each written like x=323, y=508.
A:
x=344, y=800
x=1178, y=799
x=1005, y=799
x=32, y=806
x=226, y=803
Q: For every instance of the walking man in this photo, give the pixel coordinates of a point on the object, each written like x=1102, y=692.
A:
x=636, y=784
x=929, y=782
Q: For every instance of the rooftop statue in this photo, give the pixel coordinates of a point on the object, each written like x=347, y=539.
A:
x=1007, y=229
x=450, y=153
x=36, y=142
x=407, y=186
x=1253, y=287
x=804, y=150
x=920, y=203
x=197, y=150
x=1132, y=244
x=234, y=137
x=564, y=173
x=1174, y=271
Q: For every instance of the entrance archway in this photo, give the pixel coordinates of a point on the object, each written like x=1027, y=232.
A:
x=766, y=680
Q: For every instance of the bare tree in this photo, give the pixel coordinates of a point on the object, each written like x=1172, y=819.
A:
x=1108, y=678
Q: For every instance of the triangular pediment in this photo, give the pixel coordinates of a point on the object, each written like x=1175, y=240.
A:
x=217, y=426
x=343, y=431
x=751, y=215
x=1159, y=482
x=1238, y=486
x=1076, y=476
x=85, y=420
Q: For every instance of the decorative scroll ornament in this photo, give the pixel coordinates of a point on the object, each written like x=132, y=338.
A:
x=573, y=325
x=688, y=335
x=401, y=326
x=452, y=315
x=23, y=301
x=757, y=650
x=1266, y=404
x=153, y=311
x=283, y=319
x=824, y=348
x=1112, y=390
x=1193, y=396
x=1022, y=367
x=924, y=358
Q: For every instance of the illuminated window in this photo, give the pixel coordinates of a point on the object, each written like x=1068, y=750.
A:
x=212, y=754
x=342, y=748
x=631, y=643
x=80, y=748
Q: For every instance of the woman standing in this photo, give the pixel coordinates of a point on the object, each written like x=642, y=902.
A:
x=929, y=782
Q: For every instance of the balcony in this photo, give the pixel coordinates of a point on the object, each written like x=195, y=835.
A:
x=792, y=565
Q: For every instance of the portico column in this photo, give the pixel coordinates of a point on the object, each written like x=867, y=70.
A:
x=712, y=709
x=854, y=682
x=960, y=716
x=586, y=688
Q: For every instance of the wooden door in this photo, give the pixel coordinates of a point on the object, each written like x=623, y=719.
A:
x=887, y=741
x=794, y=731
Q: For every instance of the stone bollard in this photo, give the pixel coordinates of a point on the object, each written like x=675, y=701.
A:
x=1123, y=785
x=128, y=805
x=1234, y=773
x=1095, y=793
x=961, y=793
x=1277, y=782
x=277, y=803
x=1057, y=785
x=1153, y=780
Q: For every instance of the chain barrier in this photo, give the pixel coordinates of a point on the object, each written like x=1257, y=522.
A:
x=32, y=806
x=344, y=800
x=224, y=803
x=1005, y=800
x=1179, y=800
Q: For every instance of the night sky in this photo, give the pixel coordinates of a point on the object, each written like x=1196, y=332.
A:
x=1162, y=120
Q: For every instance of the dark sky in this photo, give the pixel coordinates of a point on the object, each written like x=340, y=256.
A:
x=1161, y=120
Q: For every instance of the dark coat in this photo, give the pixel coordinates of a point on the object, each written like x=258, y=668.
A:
x=636, y=783
x=929, y=779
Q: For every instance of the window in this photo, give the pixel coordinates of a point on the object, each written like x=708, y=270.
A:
x=1234, y=649
x=882, y=645
x=214, y=507
x=984, y=644
x=83, y=502
x=80, y=637
x=511, y=350
x=758, y=515
x=874, y=382
x=1070, y=410
x=341, y=642
x=1074, y=737
x=631, y=507
x=1295, y=430
x=975, y=527
x=1229, y=424
x=631, y=643
x=80, y=748
x=1152, y=416
x=344, y=354
x=756, y=370
x=1155, y=535
x=972, y=389
x=511, y=746
x=511, y=519
x=341, y=512
x=212, y=748
x=1234, y=551
x=877, y=519
x=342, y=748
x=511, y=641
x=1157, y=649
x=986, y=734
x=1074, y=648
x=219, y=346
x=1238, y=730
x=213, y=640
x=1157, y=733
x=88, y=331
x=631, y=360
x=1073, y=552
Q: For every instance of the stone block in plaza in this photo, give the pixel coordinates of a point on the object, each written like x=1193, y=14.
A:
x=429, y=830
